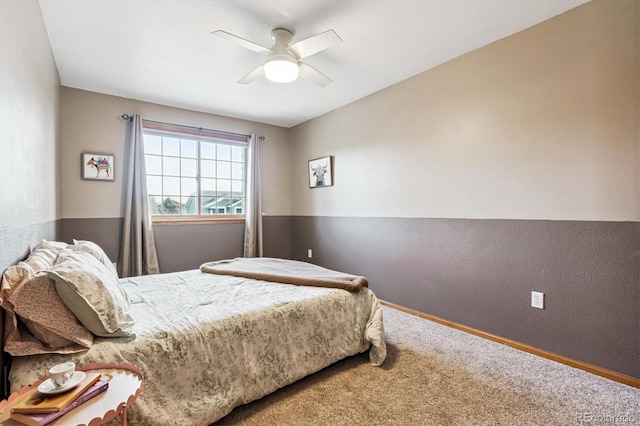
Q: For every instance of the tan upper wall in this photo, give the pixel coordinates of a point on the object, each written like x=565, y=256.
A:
x=91, y=123
x=540, y=125
x=29, y=118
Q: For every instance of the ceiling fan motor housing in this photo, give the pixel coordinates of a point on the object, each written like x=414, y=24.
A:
x=281, y=37
x=281, y=66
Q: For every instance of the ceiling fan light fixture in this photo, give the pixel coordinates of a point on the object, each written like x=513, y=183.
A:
x=281, y=68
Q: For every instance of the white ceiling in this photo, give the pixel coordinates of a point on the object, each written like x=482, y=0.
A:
x=162, y=51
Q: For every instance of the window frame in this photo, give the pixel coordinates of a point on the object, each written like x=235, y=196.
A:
x=200, y=134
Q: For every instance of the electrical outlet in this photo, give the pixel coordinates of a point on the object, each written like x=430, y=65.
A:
x=309, y=253
x=537, y=300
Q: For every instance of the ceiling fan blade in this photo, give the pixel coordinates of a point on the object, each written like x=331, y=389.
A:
x=315, y=44
x=241, y=41
x=309, y=73
x=252, y=76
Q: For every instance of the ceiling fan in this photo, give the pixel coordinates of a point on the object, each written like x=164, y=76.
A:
x=282, y=64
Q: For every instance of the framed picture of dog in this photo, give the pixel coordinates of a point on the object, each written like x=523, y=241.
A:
x=321, y=172
x=97, y=166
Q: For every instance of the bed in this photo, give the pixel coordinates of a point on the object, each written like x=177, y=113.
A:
x=209, y=342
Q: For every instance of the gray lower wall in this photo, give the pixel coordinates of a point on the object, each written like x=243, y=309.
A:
x=480, y=273
x=182, y=247
x=179, y=247
x=277, y=236
x=17, y=242
x=103, y=231
x=189, y=246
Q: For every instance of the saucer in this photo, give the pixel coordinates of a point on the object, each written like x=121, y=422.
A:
x=48, y=388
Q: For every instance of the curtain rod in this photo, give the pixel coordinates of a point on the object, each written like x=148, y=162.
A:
x=130, y=118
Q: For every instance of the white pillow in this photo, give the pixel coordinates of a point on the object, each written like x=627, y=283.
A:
x=96, y=250
x=92, y=293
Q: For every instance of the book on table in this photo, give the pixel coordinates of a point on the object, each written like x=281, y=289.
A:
x=41, y=419
x=37, y=402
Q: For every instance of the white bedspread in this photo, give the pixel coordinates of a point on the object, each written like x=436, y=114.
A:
x=208, y=343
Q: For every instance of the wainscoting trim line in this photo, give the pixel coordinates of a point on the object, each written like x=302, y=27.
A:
x=594, y=369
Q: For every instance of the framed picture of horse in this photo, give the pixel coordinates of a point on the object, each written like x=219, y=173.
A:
x=321, y=172
x=97, y=166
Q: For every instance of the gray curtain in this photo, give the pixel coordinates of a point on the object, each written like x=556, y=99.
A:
x=137, y=246
x=253, y=210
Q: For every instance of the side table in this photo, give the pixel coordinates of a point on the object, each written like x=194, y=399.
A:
x=125, y=384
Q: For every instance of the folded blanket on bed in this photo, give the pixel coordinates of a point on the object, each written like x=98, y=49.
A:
x=285, y=271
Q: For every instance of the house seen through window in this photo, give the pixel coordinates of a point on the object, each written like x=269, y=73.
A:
x=194, y=176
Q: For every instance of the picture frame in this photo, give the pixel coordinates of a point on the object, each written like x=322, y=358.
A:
x=97, y=166
x=321, y=172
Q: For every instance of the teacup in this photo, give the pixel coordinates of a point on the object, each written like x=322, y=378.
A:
x=61, y=374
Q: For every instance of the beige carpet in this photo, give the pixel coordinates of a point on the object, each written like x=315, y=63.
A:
x=435, y=375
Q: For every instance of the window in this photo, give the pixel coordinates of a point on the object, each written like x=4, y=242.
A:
x=194, y=175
